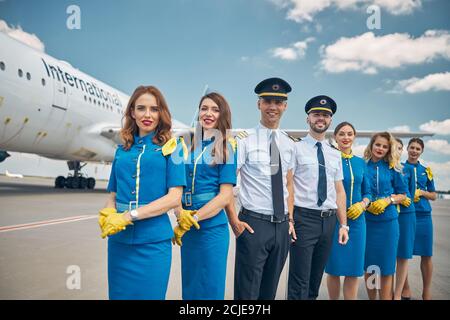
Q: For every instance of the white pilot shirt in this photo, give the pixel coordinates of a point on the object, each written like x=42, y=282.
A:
x=306, y=174
x=253, y=163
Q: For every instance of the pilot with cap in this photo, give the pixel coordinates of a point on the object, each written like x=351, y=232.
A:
x=319, y=199
x=265, y=161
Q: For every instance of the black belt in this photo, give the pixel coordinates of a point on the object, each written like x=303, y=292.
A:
x=322, y=213
x=265, y=217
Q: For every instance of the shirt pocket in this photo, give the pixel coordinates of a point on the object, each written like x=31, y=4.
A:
x=286, y=158
x=332, y=168
x=306, y=163
x=258, y=155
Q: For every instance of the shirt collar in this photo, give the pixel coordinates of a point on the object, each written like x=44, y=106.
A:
x=310, y=139
x=269, y=131
x=146, y=139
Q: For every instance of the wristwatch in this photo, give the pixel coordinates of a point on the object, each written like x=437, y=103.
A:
x=346, y=227
x=392, y=200
x=134, y=215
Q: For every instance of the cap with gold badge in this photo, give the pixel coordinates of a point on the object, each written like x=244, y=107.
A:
x=321, y=103
x=273, y=88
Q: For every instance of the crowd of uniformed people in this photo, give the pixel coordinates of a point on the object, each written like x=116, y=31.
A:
x=328, y=209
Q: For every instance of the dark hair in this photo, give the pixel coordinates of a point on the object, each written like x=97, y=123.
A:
x=399, y=141
x=343, y=124
x=417, y=140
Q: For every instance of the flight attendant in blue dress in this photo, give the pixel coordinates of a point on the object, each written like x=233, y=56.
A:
x=147, y=180
x=407, y=225
x=348, y=260
x=210, y=176
x=424, y=192
x=388, y=189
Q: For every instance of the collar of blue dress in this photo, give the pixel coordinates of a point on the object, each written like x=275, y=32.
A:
x=146, y=139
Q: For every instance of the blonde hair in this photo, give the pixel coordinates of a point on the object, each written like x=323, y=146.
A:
x=392, y=156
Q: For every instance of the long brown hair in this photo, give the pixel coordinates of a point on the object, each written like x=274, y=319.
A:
x=220, y=150
x=130, y=128
x=392, y=156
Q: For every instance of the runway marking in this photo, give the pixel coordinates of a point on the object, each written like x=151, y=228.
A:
x=45, y=223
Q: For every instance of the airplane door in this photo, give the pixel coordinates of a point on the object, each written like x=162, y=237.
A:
x=53, y=131
x=59, y=96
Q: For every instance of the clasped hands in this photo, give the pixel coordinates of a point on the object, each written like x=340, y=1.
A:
x=186, y=219
x=111, y=222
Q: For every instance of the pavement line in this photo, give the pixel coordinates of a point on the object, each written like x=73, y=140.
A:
x=45, y=223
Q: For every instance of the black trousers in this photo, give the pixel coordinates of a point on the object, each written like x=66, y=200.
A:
x=309, y=254
x=260, y=258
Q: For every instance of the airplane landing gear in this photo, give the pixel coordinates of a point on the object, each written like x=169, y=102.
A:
x=75, y=181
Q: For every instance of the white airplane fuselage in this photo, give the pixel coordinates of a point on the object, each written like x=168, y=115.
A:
x=49, y=108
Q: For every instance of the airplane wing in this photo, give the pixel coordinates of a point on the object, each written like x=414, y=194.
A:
x=360, y=133
x=112, y=133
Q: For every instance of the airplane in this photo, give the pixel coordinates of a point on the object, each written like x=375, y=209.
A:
x=49, y=108
x=13, y=175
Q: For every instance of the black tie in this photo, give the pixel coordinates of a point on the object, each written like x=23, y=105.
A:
x=322, y=185
x=276, y=172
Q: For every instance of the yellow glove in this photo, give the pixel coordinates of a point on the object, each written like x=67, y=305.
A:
x=355, y=210
x=417, y=195
x=178, y=233
x=378, y=206
x=406, y=202
x=186, y=219
x=114, y=223
x=102, y=214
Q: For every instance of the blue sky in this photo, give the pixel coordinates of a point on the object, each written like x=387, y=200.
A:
x=395, y=77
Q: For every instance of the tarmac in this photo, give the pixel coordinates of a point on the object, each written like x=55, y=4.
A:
x=50, y=246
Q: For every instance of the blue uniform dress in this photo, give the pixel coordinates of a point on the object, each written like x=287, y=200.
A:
x=383, y=229
x=407, y=217
x=423, y=244
x=139, y=257
x=348, y=260
x=204, y=252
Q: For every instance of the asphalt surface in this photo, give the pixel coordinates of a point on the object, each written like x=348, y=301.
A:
x=50, y=236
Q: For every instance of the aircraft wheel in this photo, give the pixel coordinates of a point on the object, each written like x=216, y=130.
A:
x=83, y=183
x=60, y=182
x=91, y=183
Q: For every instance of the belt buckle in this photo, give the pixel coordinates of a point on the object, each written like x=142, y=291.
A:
x=132, y=205
x=188, y=199
x=322, y=214
x=273, y=220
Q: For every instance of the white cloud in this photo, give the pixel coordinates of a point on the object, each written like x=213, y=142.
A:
x=305, y=10
x=441, y=174
x=400, y=129
x=17, y=33
x=439, y=146
x=435, y=82
x=294, y=52
x=437, y=127
x=367, y=53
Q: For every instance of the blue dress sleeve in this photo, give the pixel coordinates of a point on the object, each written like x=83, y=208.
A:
x=112, y=183
x=176, y=170
x=430, y=185
x=227, y=171
x=399, y=184
x=365, y=187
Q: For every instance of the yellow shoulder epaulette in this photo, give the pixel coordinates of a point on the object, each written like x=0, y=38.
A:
x=429, y=173
x=242, y=135
x=233, y=143
x=170, y=146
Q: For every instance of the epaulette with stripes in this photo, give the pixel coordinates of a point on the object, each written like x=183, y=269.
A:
x=242, y=135
x=294, y=138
